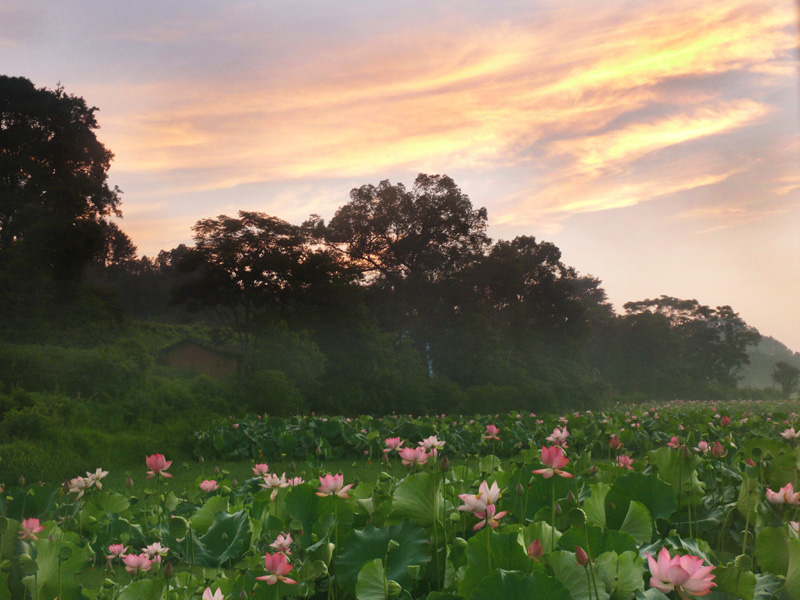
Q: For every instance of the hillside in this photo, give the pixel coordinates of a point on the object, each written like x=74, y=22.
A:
x=758, y=374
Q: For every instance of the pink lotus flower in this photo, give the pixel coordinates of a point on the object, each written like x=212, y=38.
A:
x=786, y=495
x=155, y=551
x=477, y=503
x=489, y=516
x=30, y=527
x=535, y=550
x=95, y=478
x=410, y=456
x=614, y=442
x=581, y=556
x=330, y=485
x=718, y=451
x=116, y=551
x=624, y=461
x=278, y=567
x=157, y=465
x=261, y=469
x=725, y=421
x=559, y=437
x=393, y=444
x=795, y=525
x=78, y=485
x=491, y=433
x=207, y=595
x=674, y=442
x=702, y=447
x=137, y=563
x=283, y=543
x=553, y=458
x=789, y=434
x=432, y=444
x=209, y=485
x=680, y=572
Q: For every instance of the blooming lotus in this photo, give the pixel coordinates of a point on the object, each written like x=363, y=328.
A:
x=553, y=458
x=478, y=502
x=261, y=469
x=157, y=465
x=30, y=527
x=155, y=551
x=330, y=485
x=209, y=485
x=94, y=478
x=278, y=567
x=294, y=481
x=432, y=444
x=283, y=543
x=624, y=461
x=137, y=563
x=489, y=517
x=116, y=551
x=681, y=573
x=786, y=495
x=559, y=436
x=78, y=485
x=789, y=434
x=614, y=442
x=702, y=447
x=207, y=595
x=491, y=433
x=393, y=444
x=674, y=442
x=410, y=456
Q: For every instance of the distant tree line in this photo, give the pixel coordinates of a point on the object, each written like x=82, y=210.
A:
x=401, y=301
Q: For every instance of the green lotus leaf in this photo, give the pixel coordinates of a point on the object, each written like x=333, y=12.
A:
x=513, y=584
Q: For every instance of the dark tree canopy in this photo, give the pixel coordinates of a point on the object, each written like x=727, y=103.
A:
x=787, y=376
x=54, y=194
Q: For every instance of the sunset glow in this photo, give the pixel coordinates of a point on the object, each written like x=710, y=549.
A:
x=632, y=135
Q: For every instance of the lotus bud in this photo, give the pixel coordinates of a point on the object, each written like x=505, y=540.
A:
x=51, y=539
x=686, y=453
x=234, y=481
x=581, y=556
x=444, y=465
x=394, y=588
x=751, y=462
x=168, y=571
x=460, y=542
x=243, y=595
x=216, y=470
x=571, y=497
x=592, y=470
x=558, y=508
x=392, y=545
x=129, y=482
x=201, y=460
x=725, y=421
x=413, y=571
x=718, y=451
x=520, y=489
x=22, y=480
x=535, y=550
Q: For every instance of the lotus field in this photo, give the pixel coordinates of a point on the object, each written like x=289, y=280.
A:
x=674, y=500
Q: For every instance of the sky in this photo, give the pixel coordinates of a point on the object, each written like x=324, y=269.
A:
x=657, y=144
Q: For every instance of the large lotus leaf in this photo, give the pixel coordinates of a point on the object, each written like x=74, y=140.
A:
x=58, y=563
x=736, y=581
x=547, y=535
x=793, y=572
x=773, y=446
x=767, y=586
x=372, y=583
x=205, y=515
x=783, y=469
x=750, y=496
x=621, y=573
x=575, y=578
x=490, y=550
x=512, y=584
x=656, y=495
x=111, y=503
x=596, y=541
x=680, y=473
x=144, y=589
x=228, y=537
x=419, y=498
x=316, y=514
x=772, y=550
x=595, y=505
x=38, y=501
x=651, y=594
x=371, y=543
x=638, y=523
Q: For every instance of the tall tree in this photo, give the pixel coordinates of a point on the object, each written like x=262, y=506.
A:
x=54, y=194
x=787, y=376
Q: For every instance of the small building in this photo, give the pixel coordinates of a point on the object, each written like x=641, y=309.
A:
x=192, y=354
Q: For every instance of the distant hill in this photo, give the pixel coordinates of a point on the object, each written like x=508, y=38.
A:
x=758, y=374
